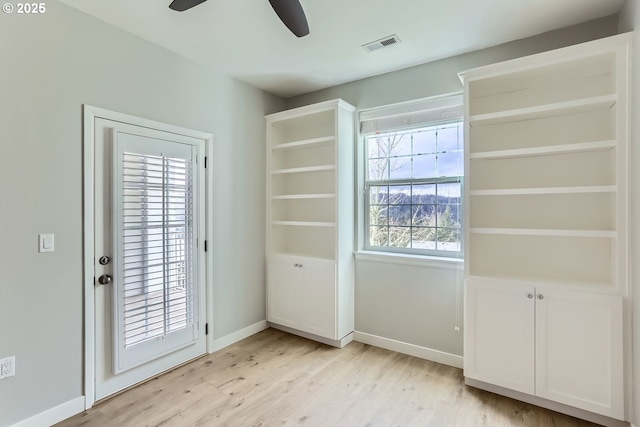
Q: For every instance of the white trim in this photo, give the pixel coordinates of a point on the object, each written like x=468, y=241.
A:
x=90, y=113
x=236, y=336
x=406, y=259
x=410, y=349
x=54, y=415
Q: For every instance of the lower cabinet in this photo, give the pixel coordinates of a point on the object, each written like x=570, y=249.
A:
x=561, y=345
x=301, y=294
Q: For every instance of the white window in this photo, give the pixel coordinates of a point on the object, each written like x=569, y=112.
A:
x=413, y=155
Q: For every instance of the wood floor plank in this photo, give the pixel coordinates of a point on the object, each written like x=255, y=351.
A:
x=277, y=379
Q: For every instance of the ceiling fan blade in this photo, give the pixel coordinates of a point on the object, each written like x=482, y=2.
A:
x=291, y=14
x=182, y=5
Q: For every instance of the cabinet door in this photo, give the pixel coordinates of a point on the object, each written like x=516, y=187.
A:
x=579, y=358
x=284, y=292
x=499, y=334
x=318, y=310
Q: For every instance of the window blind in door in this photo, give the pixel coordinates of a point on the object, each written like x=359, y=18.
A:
x=158, y=272
x=155, y=290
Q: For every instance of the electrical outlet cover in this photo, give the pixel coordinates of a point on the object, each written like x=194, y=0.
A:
x=7, y=367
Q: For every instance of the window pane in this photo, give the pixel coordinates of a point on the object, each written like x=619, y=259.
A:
x=378, y=194
x=400, y=144
x=423, y=194
x=378, y=236
x=377, y=146
x=378, y=169
x=423, y=215
x=424, y=141
x=424, y=166
x=450, y=137
x=449, y=216
x=400, y=167
x=378, y=215
x=449, y=193
x=399, y=237
x=450, y=163
x=448, y=239
x=400, y=215
x=423, y=238
x=400, y=194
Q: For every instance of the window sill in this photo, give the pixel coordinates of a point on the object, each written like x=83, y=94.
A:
x=407, y=259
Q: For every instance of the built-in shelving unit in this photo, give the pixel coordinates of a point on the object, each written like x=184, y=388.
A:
x=546, y=174
x=310, y=220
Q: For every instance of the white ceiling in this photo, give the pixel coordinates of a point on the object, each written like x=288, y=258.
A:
x=245, y=38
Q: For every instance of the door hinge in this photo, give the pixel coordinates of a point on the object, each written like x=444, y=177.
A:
x=205, y=162
x=205, y=246
x=206, y=329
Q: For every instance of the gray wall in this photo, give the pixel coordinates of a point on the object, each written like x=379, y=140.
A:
x=630, y=20
x=412, y=304
x=50, y=65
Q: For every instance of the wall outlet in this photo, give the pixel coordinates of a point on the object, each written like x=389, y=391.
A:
x=7, y=367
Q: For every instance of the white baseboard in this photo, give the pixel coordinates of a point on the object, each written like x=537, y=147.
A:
x=333, y=343
x=54, y=415
x=234, y=337
x=410, y=349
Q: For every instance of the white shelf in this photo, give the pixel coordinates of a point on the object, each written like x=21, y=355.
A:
x=560, y=108
x=305, y=223
x=305, y=142
x=547, y=190
x=540, y=151
x=304, y=170
x=545, y=232
x=304, y=196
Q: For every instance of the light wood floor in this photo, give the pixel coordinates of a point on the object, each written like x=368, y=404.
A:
x=276, y=379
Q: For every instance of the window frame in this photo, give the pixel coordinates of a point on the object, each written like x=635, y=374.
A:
x=364, y=220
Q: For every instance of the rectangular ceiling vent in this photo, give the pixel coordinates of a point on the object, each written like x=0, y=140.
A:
x=383, y=42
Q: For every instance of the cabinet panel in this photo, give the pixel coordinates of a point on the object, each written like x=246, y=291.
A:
x=318, y=308
x=499, y=335
x=579, y=350
x=284, y=293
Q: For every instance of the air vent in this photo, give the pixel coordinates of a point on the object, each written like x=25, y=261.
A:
x=384, y=42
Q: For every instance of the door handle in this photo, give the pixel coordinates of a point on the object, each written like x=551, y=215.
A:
x=105, y=279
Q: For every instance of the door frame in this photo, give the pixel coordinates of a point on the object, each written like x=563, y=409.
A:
x=90, y=113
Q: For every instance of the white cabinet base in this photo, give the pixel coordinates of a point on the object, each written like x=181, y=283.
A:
x=548, y=404
x=333, y=343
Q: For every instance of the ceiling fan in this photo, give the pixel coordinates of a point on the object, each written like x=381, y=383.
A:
x=289, y=11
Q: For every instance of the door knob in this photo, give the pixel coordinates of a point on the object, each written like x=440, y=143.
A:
x=105, y=279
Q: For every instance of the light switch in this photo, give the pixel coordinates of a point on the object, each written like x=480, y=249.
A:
x=46, y=243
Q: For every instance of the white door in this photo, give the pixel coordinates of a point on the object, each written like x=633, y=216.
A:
x=149, y=222
x=499, y=334
x=578, y=357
